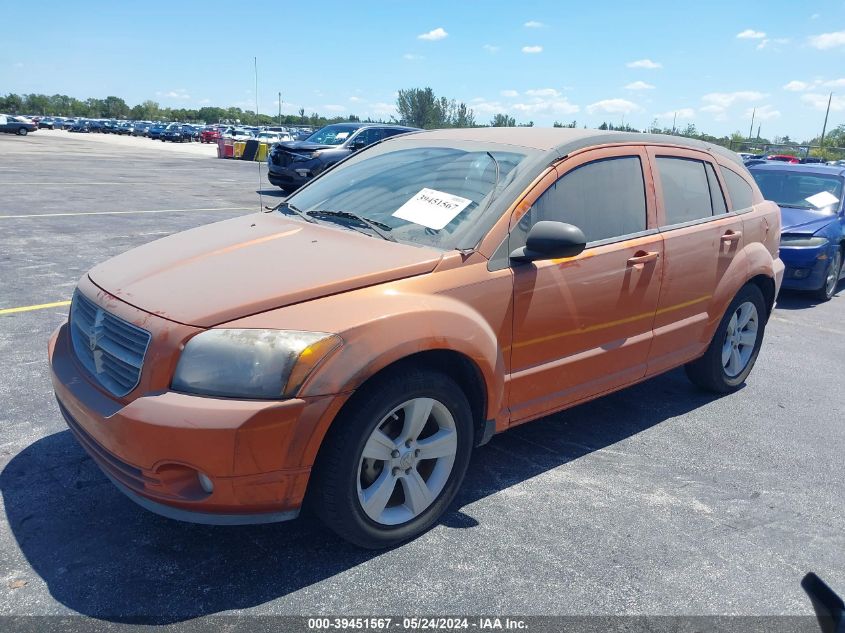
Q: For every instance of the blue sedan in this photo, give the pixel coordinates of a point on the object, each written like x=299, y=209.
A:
x=812, y=237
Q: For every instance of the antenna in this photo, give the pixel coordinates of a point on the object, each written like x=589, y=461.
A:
x=260, y=181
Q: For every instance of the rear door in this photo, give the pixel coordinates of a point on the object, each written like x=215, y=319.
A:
x=700, y=242
x=583, y=325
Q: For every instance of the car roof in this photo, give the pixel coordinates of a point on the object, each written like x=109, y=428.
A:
x=563, y=141
x=804, y=168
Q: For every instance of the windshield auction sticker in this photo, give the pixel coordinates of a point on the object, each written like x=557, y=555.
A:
x=432, y=209
x=822, y=199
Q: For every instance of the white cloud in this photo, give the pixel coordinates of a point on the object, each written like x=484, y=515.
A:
x=383, y=109
x=763, y=113
x=413, y=57
x=825, y=41
x=508, y=93
x=644, y=63
x=819, y=101
x=180, y=94
x=533, y=24
x=714, y=109
x=796, y=86
x=204, y=101
x=543, y=92
x=491, y=49
x=355, y=99
x=334, y=108
x=751, y=34
x=727, y=99
x=639, y=85
x=835, y=83
x=435, y=34
x=765, y=43
x=680, y=113
x=613, y=106
x=532, y=49
x=547, y=106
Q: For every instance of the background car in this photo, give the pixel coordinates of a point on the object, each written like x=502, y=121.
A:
x=155, y=130
x=10, y=124
x=179, y=133
x=783, y=158
x=813, y=228
x=81, y=126
x=291, y=165
x=210, y=134
x=273, y=137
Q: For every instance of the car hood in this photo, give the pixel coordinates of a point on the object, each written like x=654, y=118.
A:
x=223, y=271
x=803, y=221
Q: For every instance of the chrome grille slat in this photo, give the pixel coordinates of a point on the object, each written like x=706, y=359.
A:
x=111, y=349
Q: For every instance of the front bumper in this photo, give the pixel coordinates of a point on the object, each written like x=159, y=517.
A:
x=256, y=453
x=286, y=176
x=805, y=266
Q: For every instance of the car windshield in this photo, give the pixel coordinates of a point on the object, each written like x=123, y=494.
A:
x=426, y=195
x=331, y=135
x=816, y=192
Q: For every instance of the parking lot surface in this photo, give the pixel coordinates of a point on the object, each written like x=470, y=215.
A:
x=659, y=499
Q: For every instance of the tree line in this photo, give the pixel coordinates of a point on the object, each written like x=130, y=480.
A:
x=416, y=107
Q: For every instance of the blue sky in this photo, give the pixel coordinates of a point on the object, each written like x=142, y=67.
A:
x=709, y=62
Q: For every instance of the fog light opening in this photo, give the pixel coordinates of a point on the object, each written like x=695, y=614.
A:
x=205, y=483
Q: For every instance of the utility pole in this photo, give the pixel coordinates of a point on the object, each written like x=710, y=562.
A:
x=280, y=108
x=751, y=129
x=826, y=114
x=674, y=119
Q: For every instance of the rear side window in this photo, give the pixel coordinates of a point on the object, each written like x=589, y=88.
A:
x=686, y=189
x=605, y=199
x=739, y=190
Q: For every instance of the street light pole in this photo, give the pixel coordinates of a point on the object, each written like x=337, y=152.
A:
x=826, y=114
x=280, y=108
x=751, y=129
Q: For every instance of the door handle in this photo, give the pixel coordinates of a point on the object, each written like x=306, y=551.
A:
x=642, y=257
x=732, y=236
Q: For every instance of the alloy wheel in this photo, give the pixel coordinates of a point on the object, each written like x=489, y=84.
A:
x=833, y=274
x=740, y=339
x=406, y=461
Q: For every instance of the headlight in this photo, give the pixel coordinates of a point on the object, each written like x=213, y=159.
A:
x=802, y=240
x=267, y=364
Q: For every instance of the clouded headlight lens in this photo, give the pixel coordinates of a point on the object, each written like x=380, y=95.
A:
x=269, y=364
x=802, y=240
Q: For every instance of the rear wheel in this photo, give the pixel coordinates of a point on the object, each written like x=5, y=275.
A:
x=22, y=131
x=733, y=351
x=831, y=278
x=394, y=461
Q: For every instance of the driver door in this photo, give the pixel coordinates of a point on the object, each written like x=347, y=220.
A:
x=583, y=325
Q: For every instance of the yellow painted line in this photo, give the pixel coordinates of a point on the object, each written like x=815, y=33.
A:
x=609, y=324
x=64, y=215
x=40, y=306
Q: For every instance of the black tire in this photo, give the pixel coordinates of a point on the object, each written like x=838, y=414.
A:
x=22, y=131
x=708, y=371
x=333, y=490
x=826, y=292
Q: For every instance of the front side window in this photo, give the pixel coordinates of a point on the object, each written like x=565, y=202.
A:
x=686, y=189
x=605, y=199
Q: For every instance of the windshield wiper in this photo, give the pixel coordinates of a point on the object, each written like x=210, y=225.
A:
x=293, y=209
x=378, y=228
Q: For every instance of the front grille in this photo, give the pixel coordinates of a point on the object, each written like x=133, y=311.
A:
x=111, y=349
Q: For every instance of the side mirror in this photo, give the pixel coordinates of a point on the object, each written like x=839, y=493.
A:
x=550, y=240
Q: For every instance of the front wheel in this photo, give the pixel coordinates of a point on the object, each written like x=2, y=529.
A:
x=733, y=351
x=394, y=461
x=831, y=278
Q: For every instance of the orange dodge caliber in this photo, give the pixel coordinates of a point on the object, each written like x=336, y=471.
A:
x=349, y=349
